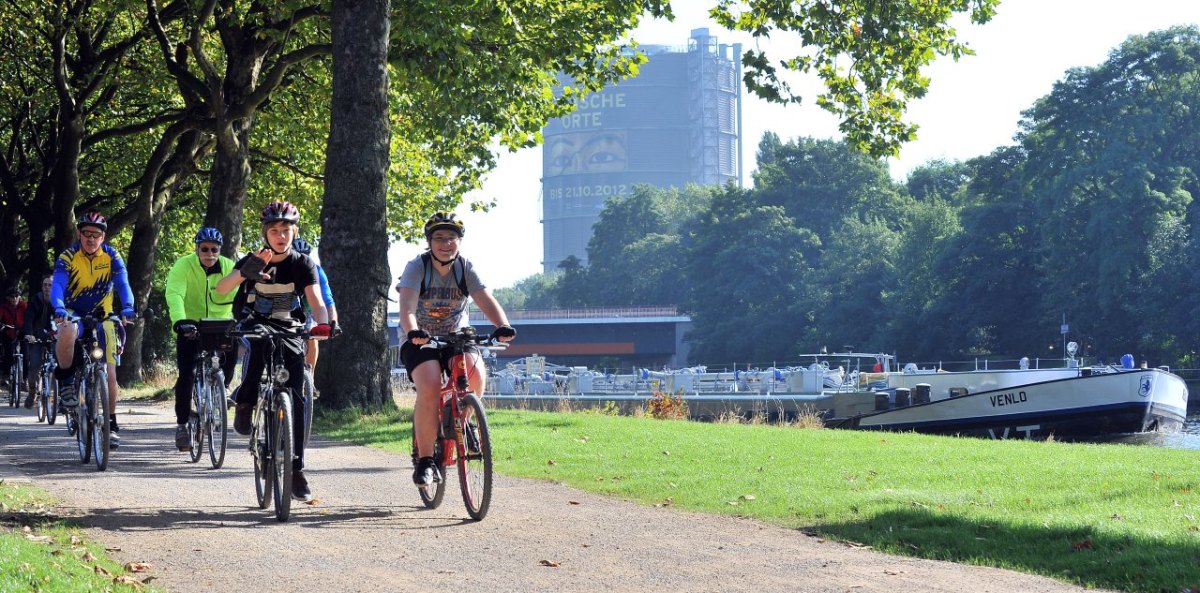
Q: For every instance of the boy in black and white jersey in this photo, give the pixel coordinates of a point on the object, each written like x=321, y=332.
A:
x=270, y=284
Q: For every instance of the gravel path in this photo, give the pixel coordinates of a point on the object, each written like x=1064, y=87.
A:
x=202, y=532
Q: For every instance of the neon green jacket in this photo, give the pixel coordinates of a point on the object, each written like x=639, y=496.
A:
x=192, y=294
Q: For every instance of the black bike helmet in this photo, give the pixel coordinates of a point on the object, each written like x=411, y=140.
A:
x=209, y=235
x=92, y=219
x=441, y=220
x=280, y=211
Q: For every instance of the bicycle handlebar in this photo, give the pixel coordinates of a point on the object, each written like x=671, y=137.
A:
x=463, y=339
x=261, y=332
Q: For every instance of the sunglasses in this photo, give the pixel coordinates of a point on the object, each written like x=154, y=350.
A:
x=208, y=249
x=92, y=235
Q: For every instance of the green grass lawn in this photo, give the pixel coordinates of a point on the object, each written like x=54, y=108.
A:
x=1111, y=516
x=39, y=552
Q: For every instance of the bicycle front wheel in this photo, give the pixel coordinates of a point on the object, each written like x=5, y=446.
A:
x=40, y=402
x=83, y=422
x=195, y=421
x=309, y=392
x=50, y=398
x=215, y=421
x=263, y=469
x=101, y=438
x=14, y=398
x=474, y=457
x=281, y=447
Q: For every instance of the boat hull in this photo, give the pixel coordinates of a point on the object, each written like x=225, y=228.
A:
x=1075, y=408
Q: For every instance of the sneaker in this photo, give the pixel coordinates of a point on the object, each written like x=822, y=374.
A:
x=472, y=438
x=241, y=419
x=29, y=402
x=114, y=440
x=67, y=397
x=183, y=438
x=426, y=472
x=300, y=489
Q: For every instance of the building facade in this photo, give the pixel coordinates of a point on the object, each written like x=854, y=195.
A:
x=677, y=122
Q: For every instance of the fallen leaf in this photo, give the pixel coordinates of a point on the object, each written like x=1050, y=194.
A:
x=747, y=497
x=76, y=540
x=572, y=502
x=127, y=580
x=88, y=557
x=667, y=453
x=551, y=462
x=732, y=503
x=138, y=566
x=1083, y=545
x=550, y=563
x=44, y=539
x=312, y=502
x=100, y=570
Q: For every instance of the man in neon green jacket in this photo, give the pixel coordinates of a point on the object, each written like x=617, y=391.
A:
x=191, y=296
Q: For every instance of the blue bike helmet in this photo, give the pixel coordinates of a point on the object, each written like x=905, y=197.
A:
x=301, y=246
x=209, y=235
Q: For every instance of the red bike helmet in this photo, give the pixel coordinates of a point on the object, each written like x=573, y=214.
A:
x=280, y=211
x=92, y=219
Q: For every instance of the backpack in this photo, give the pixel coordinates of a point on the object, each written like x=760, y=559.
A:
x=457, y=268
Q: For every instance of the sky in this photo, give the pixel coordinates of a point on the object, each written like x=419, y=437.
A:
x=972, y=107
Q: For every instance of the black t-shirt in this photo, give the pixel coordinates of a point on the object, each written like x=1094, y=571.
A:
x=278, y=298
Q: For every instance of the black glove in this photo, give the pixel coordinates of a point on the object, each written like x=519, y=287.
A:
x=418, y=334
x=252, y=268
x=504, y=331
x=185, y=327
x=335, y=330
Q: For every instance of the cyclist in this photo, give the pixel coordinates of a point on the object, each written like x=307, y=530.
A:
x=12, y=315
x=86, y=276
x=310, y=355
x=191, y=295
x=37, y=327
x=270, y=284
x=434, y=289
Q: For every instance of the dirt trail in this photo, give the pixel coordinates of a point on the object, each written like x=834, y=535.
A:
x=201, y=530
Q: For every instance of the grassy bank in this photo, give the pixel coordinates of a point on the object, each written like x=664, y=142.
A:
x=1110, y=516
x=40, y=552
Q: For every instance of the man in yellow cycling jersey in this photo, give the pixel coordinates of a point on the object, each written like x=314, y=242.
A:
x=86, y=275
x=191, y=296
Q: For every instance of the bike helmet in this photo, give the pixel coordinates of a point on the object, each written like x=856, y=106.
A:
x=12, y=291
x=92, y=219
x=209, y=235
x=280, y=211
x=441, y=220
x=301, y=246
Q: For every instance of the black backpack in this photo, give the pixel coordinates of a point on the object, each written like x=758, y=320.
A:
x=457, y=268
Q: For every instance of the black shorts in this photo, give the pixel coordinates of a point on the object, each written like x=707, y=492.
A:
x=412, y=356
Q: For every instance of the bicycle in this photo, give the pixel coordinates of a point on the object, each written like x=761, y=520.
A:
x=271, y=439
x=16, y=371
x=47, y=385
x=209, y=418
x=89, y=419
x=464, y=438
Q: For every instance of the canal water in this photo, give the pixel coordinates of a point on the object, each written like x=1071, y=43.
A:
x=1188, y=438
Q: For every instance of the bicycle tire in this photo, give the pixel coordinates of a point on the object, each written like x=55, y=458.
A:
x=14, y=374
x=263, y=469
x=309, y=392
x=282, y=449
x=103, y=430
x=474, y=466
x=50, y=398
x=216, y=421
x=195, y=421
x=83, y=425
x=40, y=404
x=431, y=495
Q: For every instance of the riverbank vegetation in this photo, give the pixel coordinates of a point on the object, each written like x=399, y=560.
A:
x=1107, y=516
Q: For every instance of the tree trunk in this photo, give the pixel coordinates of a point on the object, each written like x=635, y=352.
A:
x=354, y=368
x=171, y=164
x=227, y=185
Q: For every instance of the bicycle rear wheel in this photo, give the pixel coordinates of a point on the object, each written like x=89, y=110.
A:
x=195, y=421
x=431, y=494
x=103, y=430
x=40, y=404
x=14, y=375
x=215, y=421
x=263, y=469
x=475, y=457
x=309, y=392
x=282, y=442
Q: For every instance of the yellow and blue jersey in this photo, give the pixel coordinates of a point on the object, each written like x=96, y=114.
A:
x=86, y=284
